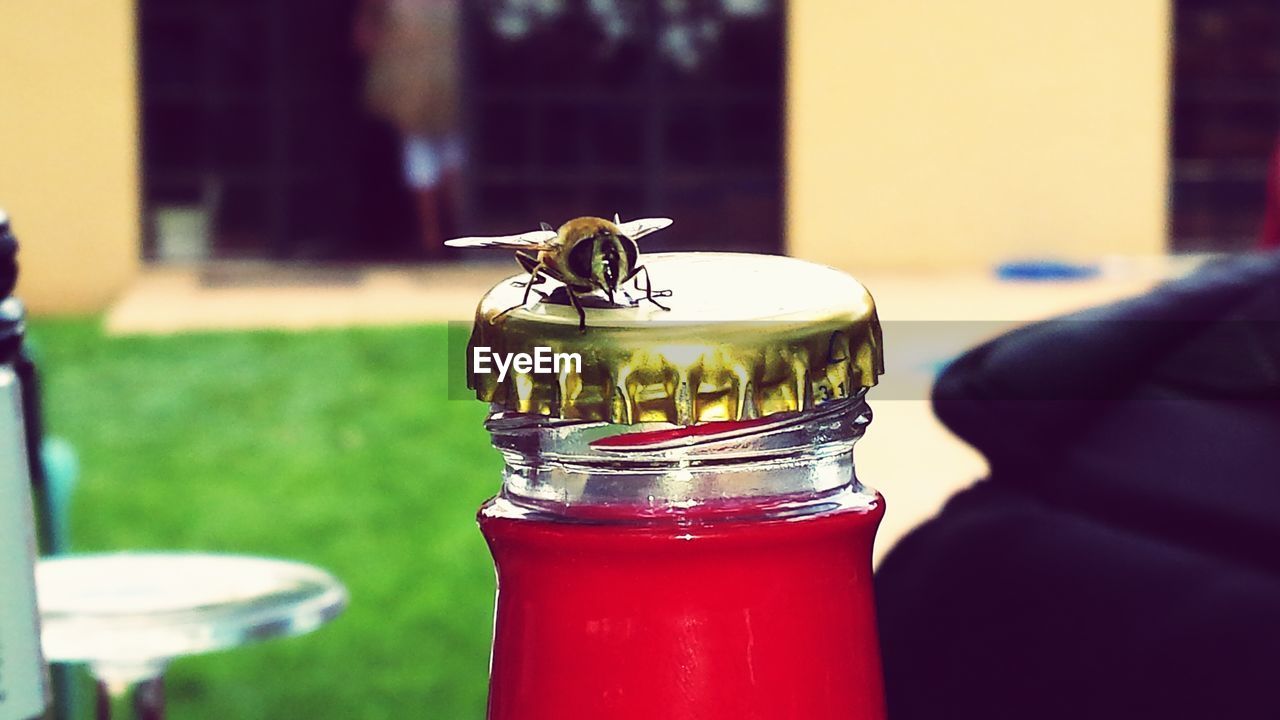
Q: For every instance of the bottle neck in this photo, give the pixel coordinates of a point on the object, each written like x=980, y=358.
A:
x=771, y=468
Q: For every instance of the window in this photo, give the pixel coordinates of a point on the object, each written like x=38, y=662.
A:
x=257, y=141
x=649, y=107
x=1226, y=117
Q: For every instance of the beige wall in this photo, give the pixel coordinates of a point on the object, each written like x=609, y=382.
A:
x=920, y=132
x=69, y=149
x=929, y=132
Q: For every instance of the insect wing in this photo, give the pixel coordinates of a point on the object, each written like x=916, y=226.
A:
x=534, y=240
x=636, y=229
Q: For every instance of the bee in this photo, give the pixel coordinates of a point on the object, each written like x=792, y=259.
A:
x=587, y=254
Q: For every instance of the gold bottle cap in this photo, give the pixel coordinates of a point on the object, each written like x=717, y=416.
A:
x=746, y=336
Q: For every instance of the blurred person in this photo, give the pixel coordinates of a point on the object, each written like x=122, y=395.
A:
x=412, y=47
x=1122, y=559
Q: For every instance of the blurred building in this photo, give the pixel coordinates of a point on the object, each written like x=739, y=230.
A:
x=882, y=135
x=256, y=113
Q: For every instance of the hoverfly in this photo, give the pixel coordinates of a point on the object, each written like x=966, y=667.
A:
x=586, y=254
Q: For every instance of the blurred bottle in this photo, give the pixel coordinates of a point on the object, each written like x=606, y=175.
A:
x=23, y=680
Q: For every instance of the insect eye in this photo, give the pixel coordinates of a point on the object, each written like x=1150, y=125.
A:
x=580, y=257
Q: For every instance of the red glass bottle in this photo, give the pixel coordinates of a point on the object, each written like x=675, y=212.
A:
x=713, y=572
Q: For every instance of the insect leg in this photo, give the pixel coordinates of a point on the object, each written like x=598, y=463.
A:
x=529, y=263
x=648, y=288
x=535, y=277
x=540, y=279
x=533, y=280
x=582, y=314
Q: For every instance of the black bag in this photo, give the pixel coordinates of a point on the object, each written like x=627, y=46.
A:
x=1123, y=558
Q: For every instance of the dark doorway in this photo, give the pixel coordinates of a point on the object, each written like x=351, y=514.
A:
x=1225, y=118
x=257, y=142
x=642, y=108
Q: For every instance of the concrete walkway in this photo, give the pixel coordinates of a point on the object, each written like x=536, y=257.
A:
x=249, y=296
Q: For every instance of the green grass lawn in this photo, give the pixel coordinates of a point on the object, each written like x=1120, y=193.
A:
x=336, y=448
